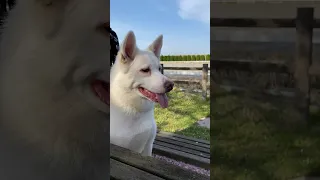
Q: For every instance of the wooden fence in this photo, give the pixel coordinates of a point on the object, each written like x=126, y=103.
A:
x=203, y=81
x=301, y=69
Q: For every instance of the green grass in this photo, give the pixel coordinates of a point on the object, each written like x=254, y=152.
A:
x=252, y=140
x=184, y=110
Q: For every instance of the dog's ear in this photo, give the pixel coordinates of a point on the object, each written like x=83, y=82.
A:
x=128, y=48
x=156, y=46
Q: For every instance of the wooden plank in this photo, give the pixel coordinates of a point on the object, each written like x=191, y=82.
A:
x=121, y=171
x=161, y=69
x=286, y=92
x=184, y=140
x=253, y=50
x=190, y=146
x=153, y=166
x=303, y=60
x=182, y=156
x=183, y=149
x=250, y=66
x=257, y=23
x=204, y=82
x=264, y=1
x=187, y=81
x=185, y=137
x=213, y=87
x=183, y=68
x=261, y=10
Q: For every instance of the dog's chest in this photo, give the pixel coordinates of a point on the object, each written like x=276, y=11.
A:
x=131, y=131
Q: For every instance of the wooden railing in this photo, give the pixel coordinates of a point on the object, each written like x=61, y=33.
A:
x=301, y=69
x=204, y=79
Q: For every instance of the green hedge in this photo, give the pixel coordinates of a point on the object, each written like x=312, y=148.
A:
x=193, y=57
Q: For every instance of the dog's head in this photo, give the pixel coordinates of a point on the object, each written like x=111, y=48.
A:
x=57, y=50
x=66, y=45
x=137, y=73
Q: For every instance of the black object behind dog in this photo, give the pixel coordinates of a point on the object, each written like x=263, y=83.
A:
x=114, y=43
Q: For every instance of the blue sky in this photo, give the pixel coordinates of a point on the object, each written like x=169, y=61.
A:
x=185, y=24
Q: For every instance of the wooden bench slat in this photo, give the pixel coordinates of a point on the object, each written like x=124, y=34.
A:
x=182, y=149
x=153, y=166
x=184, y=140
x=182, y=156
x=185, y=137
x=121, y=171
x=182, y=144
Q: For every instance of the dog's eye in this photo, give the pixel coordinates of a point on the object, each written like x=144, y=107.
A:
x=145, y=70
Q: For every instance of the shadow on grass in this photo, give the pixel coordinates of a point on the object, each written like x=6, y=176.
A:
x=195, y=131
x=160, y=125
x=253, y=140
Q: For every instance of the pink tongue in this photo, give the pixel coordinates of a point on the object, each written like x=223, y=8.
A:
x=163, y=100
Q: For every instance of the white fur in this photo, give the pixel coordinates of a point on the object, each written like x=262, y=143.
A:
x=132, y=123
x=52, y=126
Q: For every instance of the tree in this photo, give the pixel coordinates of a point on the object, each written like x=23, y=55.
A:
x=208, y=57
x=193, y=57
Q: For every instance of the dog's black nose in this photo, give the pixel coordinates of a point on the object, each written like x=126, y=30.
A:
x=168, y=85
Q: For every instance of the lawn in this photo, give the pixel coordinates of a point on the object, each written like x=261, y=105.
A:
x=252, y=140
x=185, y=109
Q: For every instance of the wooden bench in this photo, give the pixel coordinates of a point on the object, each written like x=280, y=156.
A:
x=127, y=165
x=181, y=148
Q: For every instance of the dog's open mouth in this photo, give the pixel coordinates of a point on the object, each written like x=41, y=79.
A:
x=101, y=90
x=160, y=98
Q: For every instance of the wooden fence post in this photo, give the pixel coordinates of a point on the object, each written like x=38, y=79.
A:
x=303, y=60
x=161, y=68
x=205, y=69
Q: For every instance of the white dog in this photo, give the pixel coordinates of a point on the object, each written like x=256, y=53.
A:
x=135, y=84
x=54, y=77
